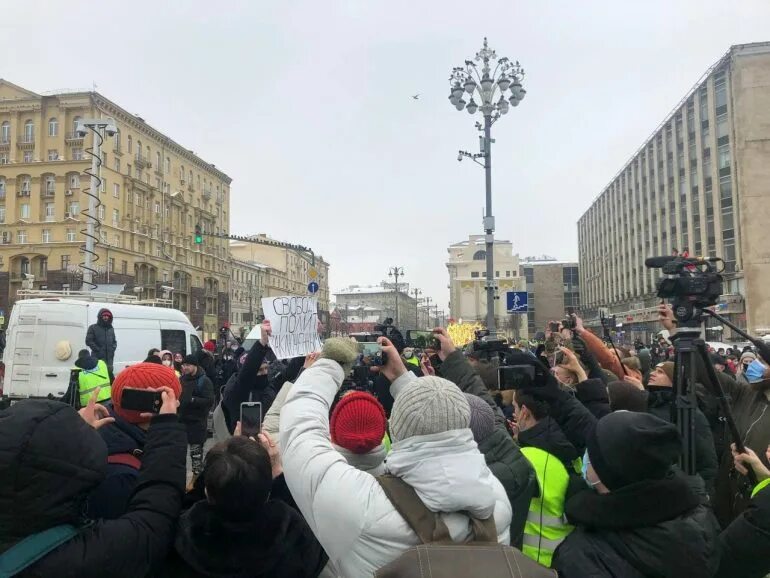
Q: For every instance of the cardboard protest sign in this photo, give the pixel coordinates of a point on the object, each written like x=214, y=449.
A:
x=294, y=322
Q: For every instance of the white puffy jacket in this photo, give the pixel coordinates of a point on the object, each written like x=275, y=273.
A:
x=347, y=509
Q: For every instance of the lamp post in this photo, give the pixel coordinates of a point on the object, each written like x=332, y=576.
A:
x=487, y=84
x=396, y=272
x=416, y=293
x=427, y=311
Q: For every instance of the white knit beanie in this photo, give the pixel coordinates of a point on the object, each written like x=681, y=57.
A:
x=429, y=405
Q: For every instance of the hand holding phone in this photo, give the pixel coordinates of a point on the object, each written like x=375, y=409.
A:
x=251, y=418
x=142, y=400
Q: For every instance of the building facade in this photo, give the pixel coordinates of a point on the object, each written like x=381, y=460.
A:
x=374, y=304
x=287, y=271
x=467, y=283
x=700, y=183
x=553, y=290
x=153, y=194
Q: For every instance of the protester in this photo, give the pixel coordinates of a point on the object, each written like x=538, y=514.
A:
x=153, y=356
x=100, y=338
x=50, y=458
x=607, y=358
x=210, y=346
x=357, y=428
x=178, y=359
x=249, y=384
x=92, y=375
x=746, y=358
x=433, y=452
x=626, y=396
x=194, y=405
x=241, y=520
x=126, y=439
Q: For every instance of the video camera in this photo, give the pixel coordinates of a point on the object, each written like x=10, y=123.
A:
x=387, y=329
x=488, y=346
x=693, y=284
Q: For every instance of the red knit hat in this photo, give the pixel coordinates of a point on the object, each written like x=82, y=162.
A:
x=358, y=422
x=142, y=376
x=210, y=346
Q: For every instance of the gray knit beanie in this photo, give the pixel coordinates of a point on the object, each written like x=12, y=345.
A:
x=482, y=417
x=429, y=405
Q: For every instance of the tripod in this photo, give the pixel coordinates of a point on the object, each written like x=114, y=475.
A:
x=688, y=344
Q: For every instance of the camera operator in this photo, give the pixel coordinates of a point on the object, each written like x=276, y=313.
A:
x=749, y=405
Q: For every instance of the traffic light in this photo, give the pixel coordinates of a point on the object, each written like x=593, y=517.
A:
x=198, y=235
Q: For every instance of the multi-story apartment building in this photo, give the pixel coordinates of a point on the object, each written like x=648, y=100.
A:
x=699, y=183
x=360, y=306
x=288, y=272
x=154, y=192
x=553, y=289
x=246, y=291
x=467, y=283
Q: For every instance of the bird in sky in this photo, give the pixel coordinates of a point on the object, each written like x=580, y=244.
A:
x=416, y=96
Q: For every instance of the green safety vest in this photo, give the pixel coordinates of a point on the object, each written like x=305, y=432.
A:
x=546, y=525
x=90, y=379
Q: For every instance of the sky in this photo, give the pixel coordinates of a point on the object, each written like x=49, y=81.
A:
x=307, y=105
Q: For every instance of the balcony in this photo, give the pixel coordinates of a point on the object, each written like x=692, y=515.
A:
x=26, y=142
x=142, y=162
x=73, y=139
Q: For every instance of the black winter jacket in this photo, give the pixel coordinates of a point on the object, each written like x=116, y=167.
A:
x=276, y=544
x=744, y=544
x=652, y=528
x=100, y=338
x=51, y=458
x=111, y=497
x=246, y=385
x=592, y=393
x=660, y=403
x=511, y=468
x=194, y=404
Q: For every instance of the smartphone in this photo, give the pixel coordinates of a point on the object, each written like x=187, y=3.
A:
x=422, y=339
x=554, y=327
x=516, y=376
x=558, y=358
x=369, y=348
x=251, y=418
x=143, y=400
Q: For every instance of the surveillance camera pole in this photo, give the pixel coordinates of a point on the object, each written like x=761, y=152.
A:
x=99, y=127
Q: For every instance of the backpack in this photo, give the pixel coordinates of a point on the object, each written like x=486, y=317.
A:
x=440, y=556
x=33, y=548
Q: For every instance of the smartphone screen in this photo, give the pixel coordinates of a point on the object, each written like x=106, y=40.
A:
x=516, y=376
x=554, y=327
x=143, y=400
x=251, y=418
x=423, y=340
x=369, y=349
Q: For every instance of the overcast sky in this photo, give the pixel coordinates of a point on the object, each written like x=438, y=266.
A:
x=307, y=106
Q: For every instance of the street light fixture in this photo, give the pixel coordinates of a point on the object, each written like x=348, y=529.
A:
x=497, y=90
x=416, y=293
x=396, y=272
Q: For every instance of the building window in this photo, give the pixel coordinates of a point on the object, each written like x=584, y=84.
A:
x=46, y=236
x=116, y=190
x=111, y=264
x=157, y=159
x=24, y=211
x=21, y=237
x=724, y=156
x=53, y=155
x=53, y=127
x=75, y=122
x=117, y=241
x=157, y=208
x=65, y=262
x=103, y=237
x=27, y=158
x=2, y=213
x=50, y=185
x=115, y=217
x=141, y=247
x=474, y=274
x=74, y=181
x=70, y=235
x=50, y=212
x=116, y=166
x=2, y=187
x=103, y=186
x=3, y=158
x=100, y=212
x=77, y=154
x=479, y=255
x=29, y=132
x=74, y=208
x=5, y=132
x=124, y=267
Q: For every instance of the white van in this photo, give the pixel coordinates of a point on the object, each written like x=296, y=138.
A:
x=44, y=336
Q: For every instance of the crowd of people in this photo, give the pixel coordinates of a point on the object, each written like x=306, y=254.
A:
x=370, y=463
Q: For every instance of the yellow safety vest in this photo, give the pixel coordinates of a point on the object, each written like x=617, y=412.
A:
x=90, y=379
x=546, y=525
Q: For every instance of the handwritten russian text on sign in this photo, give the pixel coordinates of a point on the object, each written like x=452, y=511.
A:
x=294, y=322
